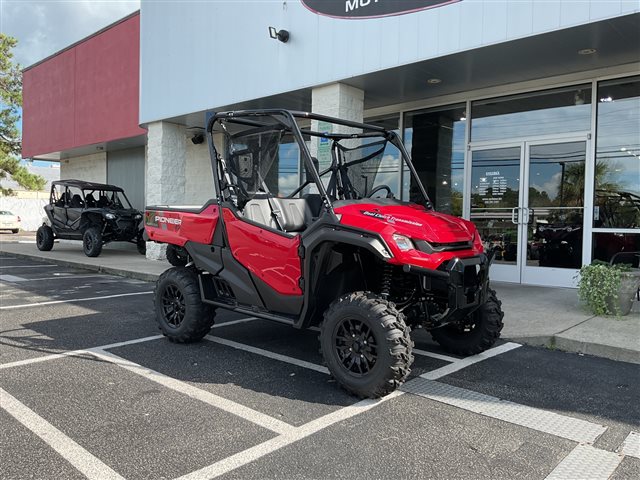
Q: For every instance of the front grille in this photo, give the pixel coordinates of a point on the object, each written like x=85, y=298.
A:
x=431, y=247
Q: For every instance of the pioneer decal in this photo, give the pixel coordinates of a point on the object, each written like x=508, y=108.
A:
x=156, y=219
x=389, y=218
x=370, y=8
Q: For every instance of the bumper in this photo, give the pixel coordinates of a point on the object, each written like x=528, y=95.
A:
x=465, y=281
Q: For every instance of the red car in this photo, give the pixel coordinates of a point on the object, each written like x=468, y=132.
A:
x=329, y=246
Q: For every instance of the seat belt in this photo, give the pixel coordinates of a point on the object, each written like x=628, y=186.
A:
x=275, y=211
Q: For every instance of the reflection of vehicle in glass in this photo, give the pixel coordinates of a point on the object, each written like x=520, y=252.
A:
x=9, y=221
x=92, y=212
x=561, y=245
x=616, y=209
x=338, y=250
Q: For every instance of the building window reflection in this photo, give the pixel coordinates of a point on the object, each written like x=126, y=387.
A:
x=435, y=138
x=561, y=110
x=617, y=171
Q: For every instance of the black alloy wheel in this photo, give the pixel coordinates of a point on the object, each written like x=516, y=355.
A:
x=365, y=343
x=180, y=313
x=356, y=346
x=173, y=306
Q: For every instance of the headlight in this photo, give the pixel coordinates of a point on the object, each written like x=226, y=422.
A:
x=404, y=243
x=109, y=216
x=138, y=217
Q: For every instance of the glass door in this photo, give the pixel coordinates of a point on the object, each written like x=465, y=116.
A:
x=553, y=212
x=495, y=206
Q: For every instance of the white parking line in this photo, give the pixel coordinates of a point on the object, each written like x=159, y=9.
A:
x=81, y=459
x=254, y=453
x=459, y=364
x=438, y=356
x=534, y=418
x=47, y=265
x=72, y=300
x=53, y=277
x=261, y=419
x=631, y=445
x=75, y=353
x=267, y=353
x=586, y=461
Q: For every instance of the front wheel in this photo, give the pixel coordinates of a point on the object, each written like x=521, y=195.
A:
x=476, y=333
x=366, y=345
x=180, y=312
x=44, y=238
x=92, y=241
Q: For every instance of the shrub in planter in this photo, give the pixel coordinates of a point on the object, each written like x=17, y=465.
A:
x=608, y=289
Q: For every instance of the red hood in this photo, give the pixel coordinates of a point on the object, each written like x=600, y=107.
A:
x=388, y=217
x=411, y=220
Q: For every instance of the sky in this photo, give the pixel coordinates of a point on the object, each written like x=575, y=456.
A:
x=47, y=26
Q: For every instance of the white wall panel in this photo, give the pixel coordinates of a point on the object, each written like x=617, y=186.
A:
x=471, y=19
x=199, y=55
x=574, y=12
x=449, y=31
x=409, y=37
x=546, y=16
x=494, y=22
x=604, y=9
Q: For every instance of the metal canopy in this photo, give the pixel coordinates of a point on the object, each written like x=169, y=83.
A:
x=616, y=40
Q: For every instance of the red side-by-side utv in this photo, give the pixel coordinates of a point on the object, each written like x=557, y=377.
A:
x=324, y=242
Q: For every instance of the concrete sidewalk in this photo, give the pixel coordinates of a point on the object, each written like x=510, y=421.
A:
x=541, y=316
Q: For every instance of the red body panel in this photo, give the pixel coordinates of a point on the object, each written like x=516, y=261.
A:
x=273, y=258
x=176, y=228
x=416, y=222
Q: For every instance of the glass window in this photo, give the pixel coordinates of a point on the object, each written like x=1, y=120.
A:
x=387, y=170
x=540, y=113
x=606, y=245
x=617, y=175
x=435, y=139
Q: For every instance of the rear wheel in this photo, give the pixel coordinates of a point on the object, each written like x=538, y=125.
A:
x=176, y=256
x=366, y=345
x=44, y=238
x=180, y=312
x=92, y=241
x=15, y=230
x=477, y=333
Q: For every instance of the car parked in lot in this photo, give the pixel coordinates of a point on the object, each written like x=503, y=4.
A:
x=95, y=213
x=9, y=221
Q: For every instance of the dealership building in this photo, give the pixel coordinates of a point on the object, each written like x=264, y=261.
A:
x=521, y=116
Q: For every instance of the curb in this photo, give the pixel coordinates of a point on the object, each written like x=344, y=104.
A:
x=568, y=345
x=147, y=277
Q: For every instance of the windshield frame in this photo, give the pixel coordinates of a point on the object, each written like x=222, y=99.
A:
x=289, y=121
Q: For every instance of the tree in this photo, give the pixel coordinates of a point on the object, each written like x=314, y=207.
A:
x=10, y=103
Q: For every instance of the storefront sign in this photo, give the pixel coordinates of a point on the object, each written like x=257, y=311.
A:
x=370, y=8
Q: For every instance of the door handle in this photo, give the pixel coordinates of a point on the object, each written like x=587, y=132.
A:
x=515, y=215
x=530, y=215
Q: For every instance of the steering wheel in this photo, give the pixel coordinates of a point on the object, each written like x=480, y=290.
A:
x=381, y=187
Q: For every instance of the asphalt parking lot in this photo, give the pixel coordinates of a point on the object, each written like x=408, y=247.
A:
x=88, y=389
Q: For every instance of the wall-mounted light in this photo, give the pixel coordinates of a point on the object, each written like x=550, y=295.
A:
x=282, y=35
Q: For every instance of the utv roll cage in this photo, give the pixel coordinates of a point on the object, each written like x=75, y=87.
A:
x=339, y=186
